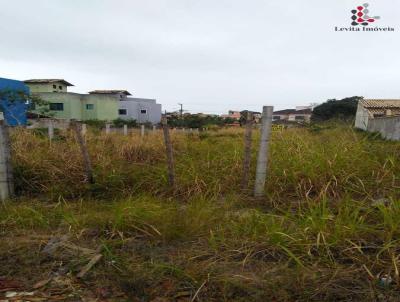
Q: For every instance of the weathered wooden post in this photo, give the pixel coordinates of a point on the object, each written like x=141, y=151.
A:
x=261, y=170
x=85, y=153
x=125, y=129
x=142, y=130
x=247, y=150
x=170, y=154
x=6, y=170
x=108, y=127
x=50, y=127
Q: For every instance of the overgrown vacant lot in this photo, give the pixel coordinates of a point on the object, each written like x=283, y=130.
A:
x=328, y=229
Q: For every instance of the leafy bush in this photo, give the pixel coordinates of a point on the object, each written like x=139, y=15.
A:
x=99, y=124
x=119, y=123
x=344, y=109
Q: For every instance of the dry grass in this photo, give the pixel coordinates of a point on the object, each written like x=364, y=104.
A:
x=319, y=235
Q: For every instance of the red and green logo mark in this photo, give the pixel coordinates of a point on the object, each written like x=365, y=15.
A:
x=360, y=16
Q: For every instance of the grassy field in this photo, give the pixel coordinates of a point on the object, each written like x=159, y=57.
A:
x=327, y=230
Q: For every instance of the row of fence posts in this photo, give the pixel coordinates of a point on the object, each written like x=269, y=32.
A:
x=262, y=159
x=83, y=126
x=6, y=171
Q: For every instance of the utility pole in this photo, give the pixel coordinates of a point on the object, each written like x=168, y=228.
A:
x=181, y=110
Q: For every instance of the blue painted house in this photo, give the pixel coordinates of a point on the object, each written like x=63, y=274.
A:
x=12, y=104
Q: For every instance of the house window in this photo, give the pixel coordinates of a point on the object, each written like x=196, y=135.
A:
x=54, y=86
x=57, y=106
x=299, y=118
x=60, y=87
x=89, y=106
x=122, y=111
x=276, y=117
x=143, y=111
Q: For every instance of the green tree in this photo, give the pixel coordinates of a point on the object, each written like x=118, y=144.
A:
x=344, y=109
x=119, y=123
x=195, y=121
x=35, y=103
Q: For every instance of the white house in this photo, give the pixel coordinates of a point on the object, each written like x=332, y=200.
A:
x=292, y=115
x=139, y=109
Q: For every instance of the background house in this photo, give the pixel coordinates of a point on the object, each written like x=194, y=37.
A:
x=12, y=101
x=292, y=115
x=138, y=109
x=47, y=85
x=232, y=114
x=381, y=116
x=68, y=105
x=141, y=110
x=368, y=110
x=255, y=114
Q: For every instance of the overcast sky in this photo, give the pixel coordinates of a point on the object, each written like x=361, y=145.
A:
x=210, y=55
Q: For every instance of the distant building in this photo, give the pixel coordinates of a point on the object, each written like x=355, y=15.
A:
x=381, y=116
x=369, y=110
x=68, y=105
x=47, y=85
x=139, y=109
x=292, y=115
x=104, y=105
x=310, y=106
x=232, y=114
x=12, y=102
x=256, y=115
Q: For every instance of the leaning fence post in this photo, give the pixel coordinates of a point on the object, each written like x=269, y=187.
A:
x=6, y=170
x=125, y=129
x=51, y=130
x=170, y=155
x=85, y=154
x=247, y=150
x=261, y=170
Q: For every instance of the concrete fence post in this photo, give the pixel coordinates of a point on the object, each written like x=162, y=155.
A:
x=50, y=127
x=261, y=170
x=108, y=127
x=247, y=150
x=142, y=130
x=169, y=151
x=6, y=170
x=154, y=128
x=84, y=129
x=125, y=129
